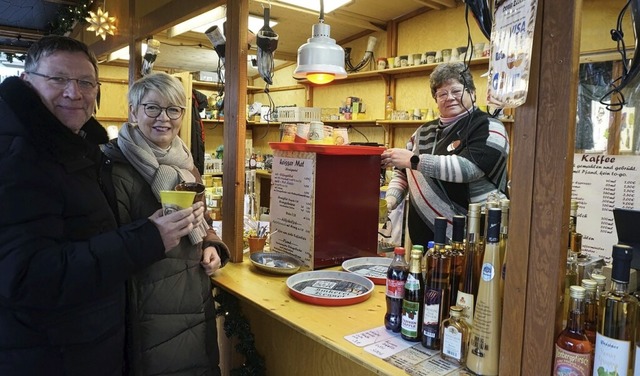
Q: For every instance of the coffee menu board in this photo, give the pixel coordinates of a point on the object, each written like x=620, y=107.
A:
x=292, y=205
x=600, y=184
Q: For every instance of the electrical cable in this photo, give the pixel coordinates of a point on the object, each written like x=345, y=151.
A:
x=617, y=35
x=366, y=60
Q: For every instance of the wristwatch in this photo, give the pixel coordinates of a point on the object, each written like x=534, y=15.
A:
x=414, y=162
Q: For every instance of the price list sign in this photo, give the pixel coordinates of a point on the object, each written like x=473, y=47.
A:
x=292, y=205
x=600, y=184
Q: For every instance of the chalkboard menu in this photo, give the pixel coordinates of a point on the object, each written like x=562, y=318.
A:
x=600, y=184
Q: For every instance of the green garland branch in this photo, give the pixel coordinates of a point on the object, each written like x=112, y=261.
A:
x=235, y=324
x=66, y=19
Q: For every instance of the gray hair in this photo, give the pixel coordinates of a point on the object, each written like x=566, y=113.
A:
x=167, y=86
x=447, y=72
x=51, y=44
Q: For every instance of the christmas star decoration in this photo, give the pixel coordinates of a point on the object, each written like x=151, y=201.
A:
x=101, y=23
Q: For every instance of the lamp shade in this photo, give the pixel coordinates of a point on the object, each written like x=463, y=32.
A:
x=320, y=60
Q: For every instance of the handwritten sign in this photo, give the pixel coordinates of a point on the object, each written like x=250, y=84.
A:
x=600, y=184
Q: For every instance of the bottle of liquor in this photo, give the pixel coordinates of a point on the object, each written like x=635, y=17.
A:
x=412, y=302
x=601, y=281
x=455, y=337
x=436, y=292
x=617, y=319
x=396, y=277
x=484, y=342
x=471, y=272
x=504, y=235
x=573, y=349
x=457, y=257
x=388, y=108
x=590, y=310
x=571, y=274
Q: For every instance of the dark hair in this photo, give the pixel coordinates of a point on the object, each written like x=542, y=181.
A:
x=446, y=72
x=51, y=44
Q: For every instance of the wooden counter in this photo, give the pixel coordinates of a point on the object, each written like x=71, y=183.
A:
x=297, y=338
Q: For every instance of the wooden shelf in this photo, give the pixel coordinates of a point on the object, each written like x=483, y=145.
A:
x=205, y=85
x=404, y=71
x=251, y=123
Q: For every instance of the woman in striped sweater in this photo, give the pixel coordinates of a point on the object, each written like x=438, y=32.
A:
x=457, y=159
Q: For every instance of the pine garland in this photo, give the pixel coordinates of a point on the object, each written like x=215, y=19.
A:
x=235, y=324
x=64, y=22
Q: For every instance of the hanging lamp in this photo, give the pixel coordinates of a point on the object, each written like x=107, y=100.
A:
x=320, y=60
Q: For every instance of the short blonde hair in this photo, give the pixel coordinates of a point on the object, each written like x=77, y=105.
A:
x=165, y=85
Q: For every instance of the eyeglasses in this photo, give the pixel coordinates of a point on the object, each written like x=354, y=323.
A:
x=455, y=93
x=153, y=111
x=62, y=82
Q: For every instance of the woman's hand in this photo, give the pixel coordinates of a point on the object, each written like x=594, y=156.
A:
x=210, y=260
x=396, y=157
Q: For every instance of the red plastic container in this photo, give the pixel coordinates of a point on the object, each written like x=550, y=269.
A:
x=346, y=186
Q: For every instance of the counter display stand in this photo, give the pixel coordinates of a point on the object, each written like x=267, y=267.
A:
x=324, y=202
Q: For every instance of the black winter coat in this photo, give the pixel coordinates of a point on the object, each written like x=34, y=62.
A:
x=63, y=262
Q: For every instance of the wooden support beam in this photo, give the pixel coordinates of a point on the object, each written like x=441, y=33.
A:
x=235, y=124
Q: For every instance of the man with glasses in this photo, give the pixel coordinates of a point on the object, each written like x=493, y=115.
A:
x=457, y=159
x=63, y=259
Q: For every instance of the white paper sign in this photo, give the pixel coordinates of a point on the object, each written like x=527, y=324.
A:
x=371, y=336
x=511, y=46
x=388, y=347
x=600, y=184
x=292, y=207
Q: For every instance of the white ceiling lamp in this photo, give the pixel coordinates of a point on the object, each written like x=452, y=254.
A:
x=205, y=21
x=320, y=60
x=123, y=53
x=329, y=5
x=197, y=21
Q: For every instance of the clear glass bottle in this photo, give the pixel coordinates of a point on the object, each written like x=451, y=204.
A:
x=412, y=302
x=617, y=320
x=457, y=257
x=388, y=108
x=601, y=282
x=571, y=273
x=471, y=272
x=396, y=278
x=455, y=337
x=573, y=349
x=504, y=236
x=484, y=342
x=436, y=292
x=590, y=309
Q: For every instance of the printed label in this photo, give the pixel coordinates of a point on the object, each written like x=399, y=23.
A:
x=611, y=356
x=432, y=299
x=395, y=288
x=568, y=363
x=466, y=301
x=488, y=272
x=636, y=368
x=410, y=312
x=452, y=343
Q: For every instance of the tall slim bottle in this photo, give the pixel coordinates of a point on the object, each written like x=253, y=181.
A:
x=436, y=292
x=396, y=277
x=457, y=257
x=573, y=348
x=484, y=342
x=590, y=310
x=412, y=302
x=617, y=319
x=468, y=291
x=504, y=236
x=571, y=273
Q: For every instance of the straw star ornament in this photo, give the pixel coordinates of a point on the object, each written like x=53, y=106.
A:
x=101, y=23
